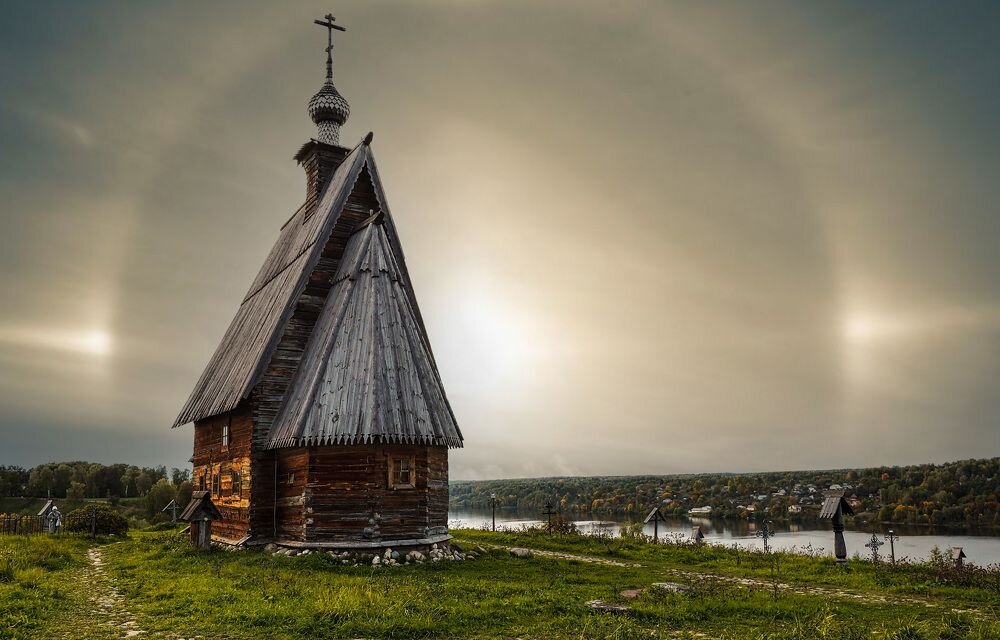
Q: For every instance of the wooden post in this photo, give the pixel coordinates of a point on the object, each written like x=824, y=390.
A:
x=493, y=504
x=839, y=545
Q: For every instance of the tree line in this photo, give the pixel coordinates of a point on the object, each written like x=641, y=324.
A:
x=961, y=493
x=80, y=480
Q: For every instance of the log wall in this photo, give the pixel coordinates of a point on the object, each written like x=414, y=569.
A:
x=350, y=496
x=268, y=394
x=213, y=458
x=344, y=494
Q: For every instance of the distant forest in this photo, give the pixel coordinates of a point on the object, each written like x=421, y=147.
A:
x=963, y=493
x=78, y=481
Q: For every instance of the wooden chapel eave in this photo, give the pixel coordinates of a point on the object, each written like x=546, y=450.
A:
x=249, y=343
x=204, y=401
x=397, y=248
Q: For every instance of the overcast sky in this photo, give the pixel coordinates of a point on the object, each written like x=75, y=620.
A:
x=645, y=238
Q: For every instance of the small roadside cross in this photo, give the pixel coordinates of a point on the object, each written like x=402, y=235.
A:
x=874, y=544
x=656, y=518
x=892, y=537
x=765, y=533
x=172, y=507
x=549, y=512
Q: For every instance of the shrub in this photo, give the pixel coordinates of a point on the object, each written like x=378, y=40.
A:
x=109, y=521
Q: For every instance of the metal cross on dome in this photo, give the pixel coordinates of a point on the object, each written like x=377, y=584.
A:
x=328, y=23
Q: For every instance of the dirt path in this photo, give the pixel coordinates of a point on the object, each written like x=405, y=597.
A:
x=99, y=611
x=109, y=606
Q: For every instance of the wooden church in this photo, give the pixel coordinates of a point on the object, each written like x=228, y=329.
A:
x=321, y=419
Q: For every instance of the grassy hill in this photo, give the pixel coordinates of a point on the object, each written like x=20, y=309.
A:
x=156, y=584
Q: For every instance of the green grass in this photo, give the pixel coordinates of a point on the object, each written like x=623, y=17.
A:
x=915, y=580
x=36, y=581
x=173, y=589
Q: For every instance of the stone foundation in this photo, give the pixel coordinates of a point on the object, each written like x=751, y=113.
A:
x=410, y=554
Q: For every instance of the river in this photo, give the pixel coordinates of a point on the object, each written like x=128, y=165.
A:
x=981, y=547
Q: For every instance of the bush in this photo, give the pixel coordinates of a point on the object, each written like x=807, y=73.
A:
x=109, y=521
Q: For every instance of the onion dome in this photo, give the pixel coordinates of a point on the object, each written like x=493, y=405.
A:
x=328, y=109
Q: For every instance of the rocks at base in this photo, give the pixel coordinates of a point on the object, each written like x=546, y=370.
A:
x=601, y=606
x=382, y=557
x=630, y=594
x=521, y=552
x=672, y=587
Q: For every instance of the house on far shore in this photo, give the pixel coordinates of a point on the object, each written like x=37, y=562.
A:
x=700, y=511
x=794, y=508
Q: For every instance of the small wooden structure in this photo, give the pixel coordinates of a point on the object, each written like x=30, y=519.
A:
x=834, y=507
x=656, y=518
x=697, y=536
x=200, y=512
x=958, y=557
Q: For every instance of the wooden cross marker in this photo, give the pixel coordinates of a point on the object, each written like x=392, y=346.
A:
x=656, y=518
x=549, y=512
x=892, y=537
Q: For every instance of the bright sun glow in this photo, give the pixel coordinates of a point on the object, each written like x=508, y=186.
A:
x=93, y=342
x=96, y=342
x=864, y=328
x=859, y=328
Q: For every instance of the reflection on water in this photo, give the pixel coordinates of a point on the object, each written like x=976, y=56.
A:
x=914, y=542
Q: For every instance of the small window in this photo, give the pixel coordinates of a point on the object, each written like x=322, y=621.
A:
x=201, y=482
x=401, y=473
x=217, y=485
x=291, y=478
x=237, y=483
x=225, y=435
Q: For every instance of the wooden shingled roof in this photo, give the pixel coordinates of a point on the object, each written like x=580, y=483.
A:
x=421, y=412
x=367, y=375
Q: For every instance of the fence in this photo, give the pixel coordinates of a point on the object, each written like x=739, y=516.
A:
x=14, y=524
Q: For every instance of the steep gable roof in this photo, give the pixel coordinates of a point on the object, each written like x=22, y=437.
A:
x=250, y=340
x=367, y=374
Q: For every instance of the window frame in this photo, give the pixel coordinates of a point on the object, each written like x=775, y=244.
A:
x=216, y=485
x=235, y=483
x=225, y=434
x=396, y=464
